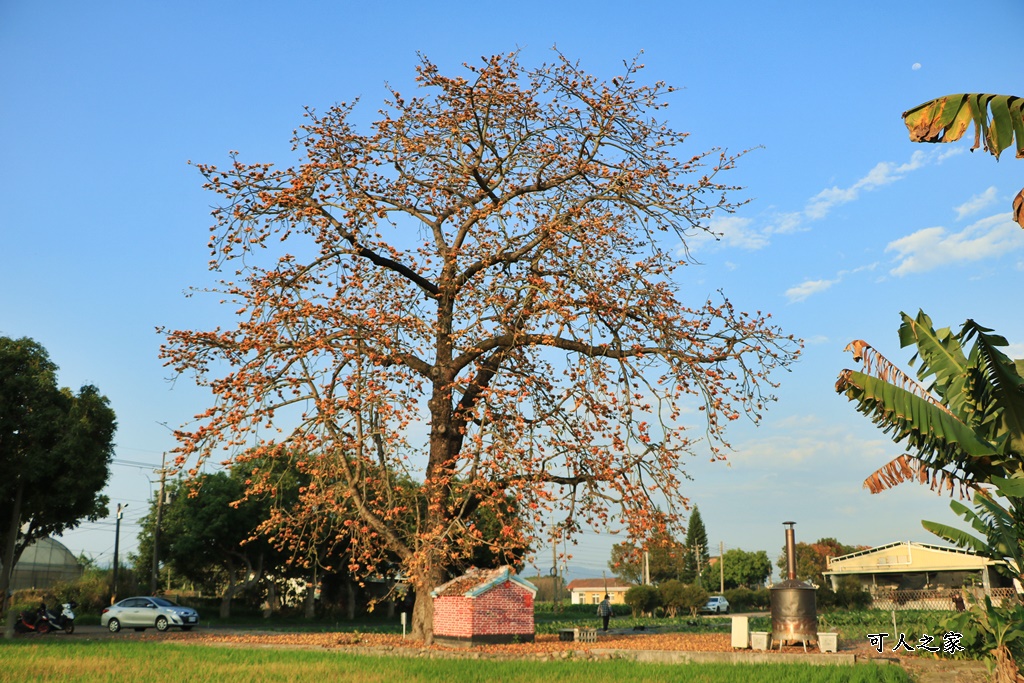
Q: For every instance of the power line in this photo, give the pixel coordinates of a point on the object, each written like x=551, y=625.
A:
x=133, y=463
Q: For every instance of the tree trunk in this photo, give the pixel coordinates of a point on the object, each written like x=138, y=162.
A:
x=252, y=578
x=10, y=556
x=271, y=604
x=423, y=616
x=225, y=600
x=423, y=607
x=350, y=599
x=310, y=601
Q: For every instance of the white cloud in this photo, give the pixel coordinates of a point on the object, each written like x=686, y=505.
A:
x=858, y=269
x=799, y=439
x=735, y=231
x=788, y=222
x=931, y=248
x=1014, y=350
x=976, y=203
x=884, y=173
x=949, y=152
x=809, y=287
x=916, y=66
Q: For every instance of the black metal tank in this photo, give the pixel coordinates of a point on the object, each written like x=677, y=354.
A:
x=794, y=609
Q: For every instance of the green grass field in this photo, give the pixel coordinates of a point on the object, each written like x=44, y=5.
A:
x=57, y=660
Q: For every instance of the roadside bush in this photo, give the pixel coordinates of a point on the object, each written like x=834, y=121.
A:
x=849, y=596
x=690, y=597
x=643, y=599
x=746, y=600
x=27, y=600
x=91, y=591
x=672, y=596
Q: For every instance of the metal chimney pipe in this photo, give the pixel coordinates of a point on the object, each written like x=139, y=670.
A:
x=790, y=551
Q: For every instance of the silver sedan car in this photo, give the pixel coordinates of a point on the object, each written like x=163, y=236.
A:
x=148, y=612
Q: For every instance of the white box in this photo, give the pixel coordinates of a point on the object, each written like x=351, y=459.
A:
x=741, y=632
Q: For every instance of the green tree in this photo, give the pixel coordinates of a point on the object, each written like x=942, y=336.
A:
x=209, y=529
x=998, y=119
x=697, y=557
x=812, y=558
x=742, y=568
x=643, y=599
x=626, y=563
x=55, y=452
x=665, y=556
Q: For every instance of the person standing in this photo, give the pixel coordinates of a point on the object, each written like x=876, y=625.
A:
x=604, y=610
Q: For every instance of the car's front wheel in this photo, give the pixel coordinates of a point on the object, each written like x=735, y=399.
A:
x=162, y=623
x=114, y=625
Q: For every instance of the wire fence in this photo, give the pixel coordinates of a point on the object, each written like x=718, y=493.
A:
x=940, y=599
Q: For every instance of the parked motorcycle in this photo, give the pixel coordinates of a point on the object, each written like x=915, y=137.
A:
x=66, y=619
x=33, y=622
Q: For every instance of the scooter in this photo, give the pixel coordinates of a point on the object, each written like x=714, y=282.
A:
x=33, y=622
x=66, y=619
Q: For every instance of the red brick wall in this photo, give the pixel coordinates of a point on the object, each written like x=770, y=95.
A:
x=453, y=616
x=507, y=608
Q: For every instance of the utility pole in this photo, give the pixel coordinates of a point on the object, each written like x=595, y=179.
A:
x=721, y=564
x=155, y=574
x=696, y=555
x=647, y=568
x=554, y=563
x=117, y=544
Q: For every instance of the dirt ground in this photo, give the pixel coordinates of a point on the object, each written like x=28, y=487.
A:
x=930, y=669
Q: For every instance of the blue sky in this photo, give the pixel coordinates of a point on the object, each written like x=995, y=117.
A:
x=105, y=224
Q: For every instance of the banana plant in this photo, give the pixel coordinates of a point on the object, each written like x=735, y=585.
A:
x=1003, y=628
x=961, y=418
x=998, y=123
x=1000, y=525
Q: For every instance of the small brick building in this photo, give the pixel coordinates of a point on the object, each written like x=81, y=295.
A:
x=484, y=606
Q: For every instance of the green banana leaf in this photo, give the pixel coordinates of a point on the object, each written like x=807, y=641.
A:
x=998, y=121
x=940, y=437
x=957, y=537
x=940, y=355
x=1005, y=383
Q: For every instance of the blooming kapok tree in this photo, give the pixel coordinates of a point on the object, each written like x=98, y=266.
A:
x=479, y=297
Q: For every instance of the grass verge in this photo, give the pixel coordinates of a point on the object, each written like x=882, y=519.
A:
x=109, y=661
